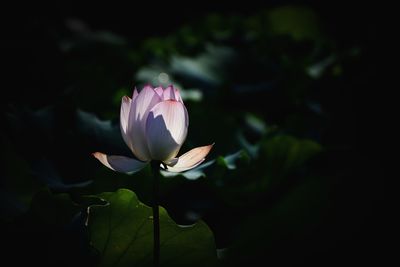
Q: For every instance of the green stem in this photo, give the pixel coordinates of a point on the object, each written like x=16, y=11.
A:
x=156, y=215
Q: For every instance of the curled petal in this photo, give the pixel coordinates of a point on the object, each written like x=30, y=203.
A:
x=139, y=111
x=189, y=160
x=120, y=163
x=166, y=129
x=124, y=119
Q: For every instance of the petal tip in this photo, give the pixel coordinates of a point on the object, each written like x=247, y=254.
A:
x=190, y=159
x=209, y=147
x=98, y=155
x=148, y=85
x=126, y=98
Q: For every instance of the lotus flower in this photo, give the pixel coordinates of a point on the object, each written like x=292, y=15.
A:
x=154, y=125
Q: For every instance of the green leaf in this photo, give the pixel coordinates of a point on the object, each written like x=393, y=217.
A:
x=299, y=22
x=122, y=232
x=17, y=184
x=230, y=161
x=284, y=154
x=223, y=163
x=287, y=226
x=53, y=226
x=53, y=209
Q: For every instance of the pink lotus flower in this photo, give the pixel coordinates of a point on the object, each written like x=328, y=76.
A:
x=154, y=125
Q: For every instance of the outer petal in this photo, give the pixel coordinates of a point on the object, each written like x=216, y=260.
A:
x=190, y=159
x=124, y=118
x=139, y=111
x=120, y=163
x=166, y=129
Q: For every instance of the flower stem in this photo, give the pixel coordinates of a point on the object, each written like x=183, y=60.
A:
x=156, y=216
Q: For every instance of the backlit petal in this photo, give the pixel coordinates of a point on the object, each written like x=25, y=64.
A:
x=124, y=118
x=120, y=163
x=135, y=94
x=139, y=111
x=169, y=93
x=189, y=160
x=159, y=91
x=178, y=95
x=166, y=129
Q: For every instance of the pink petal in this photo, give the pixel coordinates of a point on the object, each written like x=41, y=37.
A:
x=135, y=94
x=147, y=86
x=166, y=129
x=169, y=93
x=139, y=111
x=178, y=95
x=190, y=159
x=124, y=116
x=159, y=91
x=120, y=163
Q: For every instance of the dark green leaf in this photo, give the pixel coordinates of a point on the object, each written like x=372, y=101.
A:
x=284, y=154
x=53, y=209
x=122, y=232
x=299, y=22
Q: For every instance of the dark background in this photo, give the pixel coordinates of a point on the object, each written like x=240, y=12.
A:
x=65, y=57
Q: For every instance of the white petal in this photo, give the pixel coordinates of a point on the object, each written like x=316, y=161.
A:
x=124, y=116
x=189, y=160
x=159, y=91
x=120, y=163
x=166, y=129
x=139, y=111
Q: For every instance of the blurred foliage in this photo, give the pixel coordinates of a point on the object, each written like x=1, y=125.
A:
x=52, y=229
x=274, y=90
